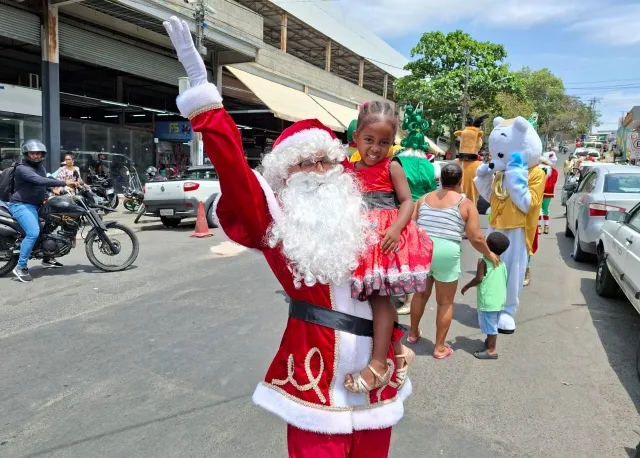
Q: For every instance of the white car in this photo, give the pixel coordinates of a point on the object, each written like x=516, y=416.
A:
x=174, y=200
x=619, y=256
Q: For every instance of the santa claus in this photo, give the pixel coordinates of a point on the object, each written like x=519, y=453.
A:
x=306, y=216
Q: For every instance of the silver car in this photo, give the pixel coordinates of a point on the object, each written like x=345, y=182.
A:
x=602, y=189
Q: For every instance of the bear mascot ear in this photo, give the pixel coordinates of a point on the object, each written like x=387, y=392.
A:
x=497, y=121
x=522, y=124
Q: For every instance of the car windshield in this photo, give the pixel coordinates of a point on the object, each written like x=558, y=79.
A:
x=581, y=153
x=594, y=154
x=628, y=183
x=200, y=174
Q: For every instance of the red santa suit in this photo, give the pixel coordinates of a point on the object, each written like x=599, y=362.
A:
x=304, y=384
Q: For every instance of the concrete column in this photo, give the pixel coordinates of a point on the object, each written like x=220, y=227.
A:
x=120, y=97
x=196, y=153
x=50, y=85
x=283, y=32
x=385, y=89
x=216, y=71
x=361, y=74
x=327, y=56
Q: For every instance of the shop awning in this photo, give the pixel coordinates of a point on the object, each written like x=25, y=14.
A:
x=285, y=102
x=343, y=114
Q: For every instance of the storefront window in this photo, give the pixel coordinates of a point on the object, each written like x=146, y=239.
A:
x=96, y=138
x=32, y=128
x=143, y=154
x=9, y=141
x=71, y=136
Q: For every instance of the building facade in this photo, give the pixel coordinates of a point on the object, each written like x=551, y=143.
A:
x=98, y=78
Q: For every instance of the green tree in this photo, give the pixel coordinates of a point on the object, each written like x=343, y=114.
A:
x=439, y=76
x=546, y=94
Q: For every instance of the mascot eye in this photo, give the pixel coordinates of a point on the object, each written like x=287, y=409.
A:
x=500, y=155
x=503, y=134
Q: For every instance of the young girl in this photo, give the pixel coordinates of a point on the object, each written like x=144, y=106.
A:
x=399, y=263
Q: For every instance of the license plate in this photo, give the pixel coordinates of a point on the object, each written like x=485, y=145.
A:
x=110, y=191
x=166, y=212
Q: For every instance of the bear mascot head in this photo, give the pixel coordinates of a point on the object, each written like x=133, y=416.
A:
x=510, y=137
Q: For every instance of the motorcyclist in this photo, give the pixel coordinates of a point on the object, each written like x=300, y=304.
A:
x=30, y=188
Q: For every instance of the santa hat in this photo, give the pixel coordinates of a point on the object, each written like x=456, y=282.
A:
x=551, y=157
x=302, y=140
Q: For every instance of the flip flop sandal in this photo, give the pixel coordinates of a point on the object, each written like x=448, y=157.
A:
x=401, y=373
x=446, y=355
x=412, y=340
x=484, y=354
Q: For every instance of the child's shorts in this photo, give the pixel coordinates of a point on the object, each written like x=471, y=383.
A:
x=489, y=322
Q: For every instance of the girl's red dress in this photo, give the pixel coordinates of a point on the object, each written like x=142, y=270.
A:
x=401, y=272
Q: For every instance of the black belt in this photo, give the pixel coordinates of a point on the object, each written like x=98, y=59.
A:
x=333, y=319
x=380, y=200
x=468, y=157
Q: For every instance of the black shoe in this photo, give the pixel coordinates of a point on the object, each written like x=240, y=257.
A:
x=51, y=263
x=22, y=274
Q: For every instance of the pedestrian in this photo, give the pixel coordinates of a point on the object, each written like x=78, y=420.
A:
x=445, y=215
x=29, y=190
x=68, y=171
x=398, y=262
x=491, y=283
x=305, y=216
x=547, y=163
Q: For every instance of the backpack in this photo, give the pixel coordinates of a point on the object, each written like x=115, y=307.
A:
x=7, y=182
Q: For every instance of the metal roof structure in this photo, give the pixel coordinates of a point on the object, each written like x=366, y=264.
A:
x=310, y=25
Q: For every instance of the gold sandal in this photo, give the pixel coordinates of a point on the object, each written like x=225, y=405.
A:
x=357, y=384
x=401, y=373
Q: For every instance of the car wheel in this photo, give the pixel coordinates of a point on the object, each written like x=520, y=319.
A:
x=171, y=223
x=211, y=217
x=578, y=254
x=606, y=285
x=567, y=230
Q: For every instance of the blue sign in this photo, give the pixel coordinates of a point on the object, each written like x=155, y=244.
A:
x=173, y=131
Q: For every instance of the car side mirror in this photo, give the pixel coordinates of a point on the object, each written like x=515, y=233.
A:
x=618, y=217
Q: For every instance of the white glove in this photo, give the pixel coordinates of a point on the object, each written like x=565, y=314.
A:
x=188, y=55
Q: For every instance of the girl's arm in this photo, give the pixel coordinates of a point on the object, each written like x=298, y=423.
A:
x=401, y=187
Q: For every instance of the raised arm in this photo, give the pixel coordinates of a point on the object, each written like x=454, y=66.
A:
x=524, y=192
x=242, y=208
x=483, y=181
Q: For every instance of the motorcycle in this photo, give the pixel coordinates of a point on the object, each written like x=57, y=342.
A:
x=103, y=188
x=133, y=194
x=61, y=217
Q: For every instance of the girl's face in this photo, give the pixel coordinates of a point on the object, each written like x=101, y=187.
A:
x=374, y=141
x=68, y=161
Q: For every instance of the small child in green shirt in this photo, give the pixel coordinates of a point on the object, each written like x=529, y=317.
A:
x=492, y=294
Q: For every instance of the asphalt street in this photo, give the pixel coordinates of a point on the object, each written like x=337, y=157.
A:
x=161, y=361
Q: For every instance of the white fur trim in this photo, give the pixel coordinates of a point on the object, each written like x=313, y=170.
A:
x=296, y=148
x=272, y=204
x=326, y=421
x=198, y=99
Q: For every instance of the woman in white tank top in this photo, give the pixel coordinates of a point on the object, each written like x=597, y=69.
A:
x=446, y=215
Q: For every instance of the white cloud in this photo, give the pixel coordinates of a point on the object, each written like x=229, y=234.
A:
x=406, y=16
x=618, y=29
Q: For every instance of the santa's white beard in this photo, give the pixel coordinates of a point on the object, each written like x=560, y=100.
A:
x=324, y=228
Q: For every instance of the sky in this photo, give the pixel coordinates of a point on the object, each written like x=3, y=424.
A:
x=593, y=45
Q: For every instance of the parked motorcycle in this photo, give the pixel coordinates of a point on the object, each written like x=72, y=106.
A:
x=61, y=217
x=102, y=187
x=133, y=194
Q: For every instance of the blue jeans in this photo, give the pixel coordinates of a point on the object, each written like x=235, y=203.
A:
x=27, y=216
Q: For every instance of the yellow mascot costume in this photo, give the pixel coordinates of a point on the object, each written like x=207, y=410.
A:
x=470, y=146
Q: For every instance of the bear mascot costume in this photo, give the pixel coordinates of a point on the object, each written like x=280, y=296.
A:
x=513, y=184
x=470, y=146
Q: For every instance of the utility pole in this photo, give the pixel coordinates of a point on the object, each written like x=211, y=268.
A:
x=199, y=16
x=465, y=96
x=592, y=105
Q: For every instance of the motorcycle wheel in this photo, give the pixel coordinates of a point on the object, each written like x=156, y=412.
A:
x=115, y=200
x=94, y=242
x=8, y=265
x=132, y=205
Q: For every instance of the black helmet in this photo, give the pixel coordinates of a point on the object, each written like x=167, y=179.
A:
x=151, y=172
x=33, y=146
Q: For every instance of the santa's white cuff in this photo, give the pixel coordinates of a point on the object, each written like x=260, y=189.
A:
x=198, y=99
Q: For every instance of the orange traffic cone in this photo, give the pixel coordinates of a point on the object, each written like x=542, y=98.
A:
x=202, y=228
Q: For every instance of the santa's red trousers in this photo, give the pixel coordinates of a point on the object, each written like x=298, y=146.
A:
x=372, y=443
